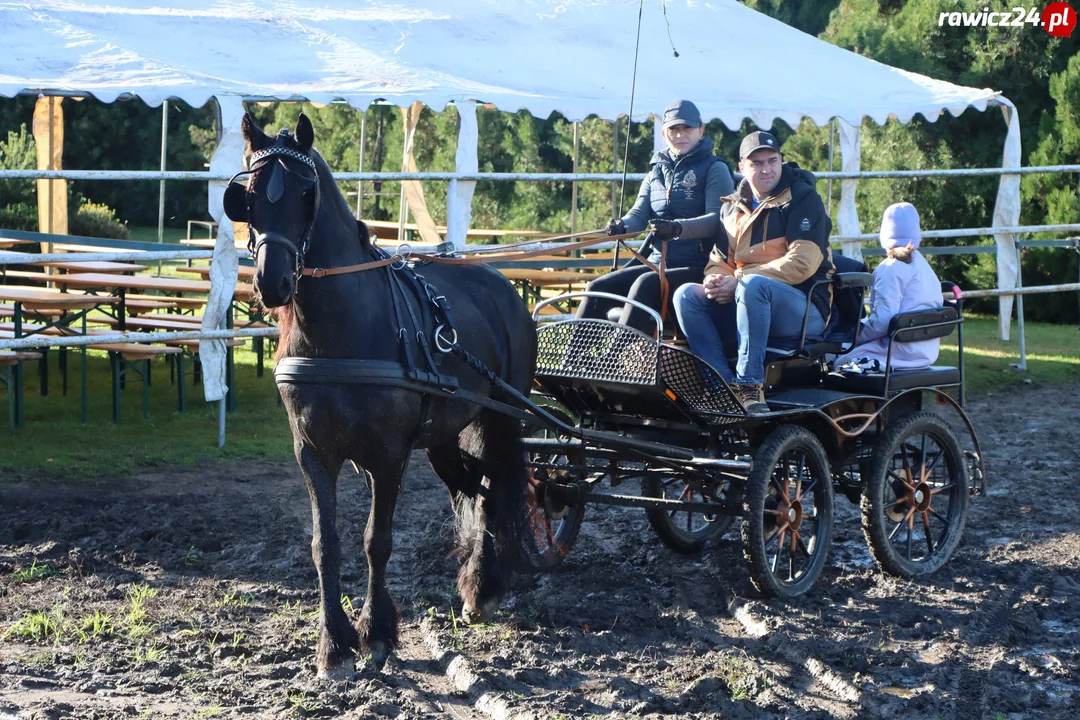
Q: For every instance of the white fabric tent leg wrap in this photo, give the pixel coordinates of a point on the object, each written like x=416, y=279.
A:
x=460, y=192
x=228, y=159
x=847, y=215
x=1007, y=214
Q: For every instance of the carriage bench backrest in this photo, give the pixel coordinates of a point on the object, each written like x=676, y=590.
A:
x=919, y=325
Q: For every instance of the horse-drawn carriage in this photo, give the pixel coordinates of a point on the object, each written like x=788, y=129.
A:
x=651, y=412
x=378, y=357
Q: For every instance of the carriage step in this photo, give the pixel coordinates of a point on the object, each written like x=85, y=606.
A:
x=556, y=446
x=669, y=505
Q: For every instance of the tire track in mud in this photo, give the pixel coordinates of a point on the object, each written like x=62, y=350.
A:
x=991, y=619
x=786, y=647
x=459, y=675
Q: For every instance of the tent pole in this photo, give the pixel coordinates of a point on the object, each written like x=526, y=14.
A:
x=1022, y=365
x=161, y=185
x=832, y=128
x=360, y=183
x=573, y=185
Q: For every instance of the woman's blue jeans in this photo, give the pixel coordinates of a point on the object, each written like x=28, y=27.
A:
x=763, y=308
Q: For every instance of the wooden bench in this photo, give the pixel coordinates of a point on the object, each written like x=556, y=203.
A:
x=120, y=354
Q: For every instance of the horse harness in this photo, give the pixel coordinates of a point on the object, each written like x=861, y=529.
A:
x=419, y=369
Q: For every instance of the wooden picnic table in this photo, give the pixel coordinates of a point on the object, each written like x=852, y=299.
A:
x=243, y=272
x=33, y=298
x=94, y=267
x=105, y=281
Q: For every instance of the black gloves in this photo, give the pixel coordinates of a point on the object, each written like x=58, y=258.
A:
x=616, y=227
x=665, y=229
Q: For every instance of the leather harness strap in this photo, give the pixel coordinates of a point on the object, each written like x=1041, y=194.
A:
x=323, y=272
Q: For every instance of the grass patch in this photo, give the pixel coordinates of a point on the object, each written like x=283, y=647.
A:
x=1053, y=355
x=34, y=572
x=53, y=441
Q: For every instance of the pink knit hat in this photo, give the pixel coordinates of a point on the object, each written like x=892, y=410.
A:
x=900, y=226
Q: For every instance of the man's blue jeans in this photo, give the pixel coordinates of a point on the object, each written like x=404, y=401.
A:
x=763, y=308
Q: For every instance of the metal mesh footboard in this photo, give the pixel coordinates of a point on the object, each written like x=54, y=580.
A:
x=596, y=350
x=697, y=384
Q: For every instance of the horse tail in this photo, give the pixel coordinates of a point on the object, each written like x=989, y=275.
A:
x=489, y=504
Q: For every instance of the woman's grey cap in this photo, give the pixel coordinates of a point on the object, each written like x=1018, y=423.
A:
x=757, y=140
x=682, y=112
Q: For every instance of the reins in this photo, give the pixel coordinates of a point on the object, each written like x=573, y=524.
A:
x=401, y=256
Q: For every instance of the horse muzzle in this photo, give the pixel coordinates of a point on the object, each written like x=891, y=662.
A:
x=275, y=273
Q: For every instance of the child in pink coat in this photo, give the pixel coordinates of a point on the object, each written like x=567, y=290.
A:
x=903, y=282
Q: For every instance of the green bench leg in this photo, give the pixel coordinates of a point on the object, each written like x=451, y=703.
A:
x=11, y=397
x=146, y=390
x=18, y=380
x=82, y=389
x=181, y=387
x=114, y=362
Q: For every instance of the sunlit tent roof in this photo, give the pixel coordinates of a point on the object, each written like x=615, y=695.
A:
x=573, y=56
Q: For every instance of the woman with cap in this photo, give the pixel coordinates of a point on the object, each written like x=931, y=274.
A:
x=679, y=202
x=903, y=282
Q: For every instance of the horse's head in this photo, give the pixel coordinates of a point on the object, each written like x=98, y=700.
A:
x=279, y=203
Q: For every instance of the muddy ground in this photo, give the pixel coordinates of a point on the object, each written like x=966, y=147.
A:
x=191, y=593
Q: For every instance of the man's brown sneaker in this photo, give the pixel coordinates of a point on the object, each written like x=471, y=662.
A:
x=752, y=398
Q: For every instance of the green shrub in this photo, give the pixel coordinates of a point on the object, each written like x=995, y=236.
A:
x=19, y=216
x=97, y=220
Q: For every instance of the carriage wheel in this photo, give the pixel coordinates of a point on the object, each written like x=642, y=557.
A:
x=552, y=524
x=915, y=502
x=787, y=521
x=683, y=531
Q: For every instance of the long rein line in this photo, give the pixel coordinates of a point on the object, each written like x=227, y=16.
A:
x=400, y=257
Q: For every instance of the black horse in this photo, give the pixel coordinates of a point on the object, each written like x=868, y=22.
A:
x=298, y=218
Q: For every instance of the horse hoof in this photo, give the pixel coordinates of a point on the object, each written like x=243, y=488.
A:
x=476, y=616
x=345, y=672
x=378, y=654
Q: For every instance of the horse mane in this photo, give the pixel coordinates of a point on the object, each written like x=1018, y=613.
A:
x=285, y=320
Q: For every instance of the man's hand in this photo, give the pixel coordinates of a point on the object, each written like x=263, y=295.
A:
x=616, y=227
x=720, y=288
x=665, y=229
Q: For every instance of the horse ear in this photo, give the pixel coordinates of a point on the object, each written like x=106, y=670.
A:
x=256, y=138
x=304, y=132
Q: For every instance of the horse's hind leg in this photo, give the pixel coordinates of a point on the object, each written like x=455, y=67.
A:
x=378, y=623
x=337, y=638
x=489, y=525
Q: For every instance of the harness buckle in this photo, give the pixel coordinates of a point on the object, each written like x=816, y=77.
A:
x=318, y=272
x=398, y=264
x=445, y=346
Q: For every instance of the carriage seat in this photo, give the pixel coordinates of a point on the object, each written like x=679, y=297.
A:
x=849, y=281
x=906, y=327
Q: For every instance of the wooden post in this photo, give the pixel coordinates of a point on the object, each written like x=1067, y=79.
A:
x=51, y=194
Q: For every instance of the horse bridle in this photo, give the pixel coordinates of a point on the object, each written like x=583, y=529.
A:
x=275, y=156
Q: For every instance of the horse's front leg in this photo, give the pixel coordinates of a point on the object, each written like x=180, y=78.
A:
x=378, y=623
x=337, y=638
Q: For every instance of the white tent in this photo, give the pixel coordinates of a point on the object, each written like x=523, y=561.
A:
x=571, y=56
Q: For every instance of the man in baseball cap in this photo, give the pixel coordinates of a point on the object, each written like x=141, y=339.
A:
x=773, y=248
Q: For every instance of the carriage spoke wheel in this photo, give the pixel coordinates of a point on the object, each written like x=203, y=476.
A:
x=787, y=520
x=551, y=523
x=682, y=530
x=915, y=501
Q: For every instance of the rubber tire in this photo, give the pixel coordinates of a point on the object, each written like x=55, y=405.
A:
x=876, y=526
x=671, y=534
x=531, y=558
x=782, y=440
